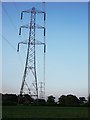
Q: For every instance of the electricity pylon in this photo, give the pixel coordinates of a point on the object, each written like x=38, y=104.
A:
x=30, y=66
x=41, y=91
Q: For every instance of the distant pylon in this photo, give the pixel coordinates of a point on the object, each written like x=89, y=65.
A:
x=30, y=66
x=41, y=90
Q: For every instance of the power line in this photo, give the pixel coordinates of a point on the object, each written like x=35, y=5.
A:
x=4, y=38
x=11, y=21
x=15, y=6
x=8, y=42
x=20, y=59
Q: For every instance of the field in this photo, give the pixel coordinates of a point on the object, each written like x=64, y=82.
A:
x=44, y=112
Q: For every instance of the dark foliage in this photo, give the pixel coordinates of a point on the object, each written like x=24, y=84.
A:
x=69, y=100
x=89, y=100
x=51, y=100
x=26, y=99
x=9, y=99
x=82, y=100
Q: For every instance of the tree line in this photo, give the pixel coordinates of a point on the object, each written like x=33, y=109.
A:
x=63, y=100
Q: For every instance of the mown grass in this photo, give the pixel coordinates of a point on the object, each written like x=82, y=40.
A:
x=44, y=112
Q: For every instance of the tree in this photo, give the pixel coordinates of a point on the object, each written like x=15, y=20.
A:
x=41, y=101
x=9, y=99
x=82, y=100
x=26, y=99
x=62, y=100
x=72, y=100
x=51, y=100
x=68, y=100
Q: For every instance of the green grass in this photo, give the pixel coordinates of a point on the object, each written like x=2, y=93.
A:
x=44, y=112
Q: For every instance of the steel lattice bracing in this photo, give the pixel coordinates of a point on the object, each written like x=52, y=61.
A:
x=41, y=90
x=30, y=60
x=30, y=66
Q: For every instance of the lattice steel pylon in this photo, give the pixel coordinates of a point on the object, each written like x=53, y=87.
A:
x=41, y=90
x=30, y=65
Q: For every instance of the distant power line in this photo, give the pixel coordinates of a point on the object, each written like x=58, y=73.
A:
x=14, y=26
x=16, y=7
x=8, y=42
x=11, y=21
x=9, y=17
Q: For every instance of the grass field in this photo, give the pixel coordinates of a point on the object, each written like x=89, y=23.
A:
x=44, y=112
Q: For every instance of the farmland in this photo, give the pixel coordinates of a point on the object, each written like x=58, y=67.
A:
x=22, y=111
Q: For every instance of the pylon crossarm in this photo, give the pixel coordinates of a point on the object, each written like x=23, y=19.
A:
x=23, y=26
x=39, y=27
x=39, y=11
x=29, y=11
x=28, y=27
x=37, y=43
x=23, y=42
x=25, y=11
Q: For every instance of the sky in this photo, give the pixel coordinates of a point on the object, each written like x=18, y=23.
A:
x=45, y=0
x=66, y=51
x=1, y=49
